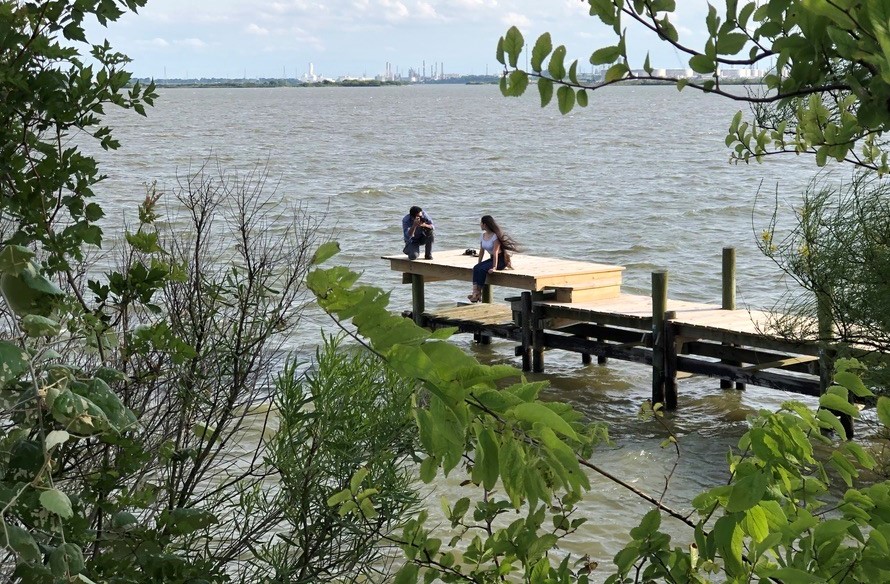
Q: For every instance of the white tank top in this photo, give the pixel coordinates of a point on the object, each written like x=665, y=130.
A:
x=488, y=244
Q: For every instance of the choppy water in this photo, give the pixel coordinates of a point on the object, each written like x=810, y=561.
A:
x=639, y=178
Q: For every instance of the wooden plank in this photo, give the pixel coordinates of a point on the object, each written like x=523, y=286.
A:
x=807, y=364
x=781, y=363
x=747, y=340
x=786, y=382
x=528, y=272
x=581, y=345
x=596, y=281
x=576, y=295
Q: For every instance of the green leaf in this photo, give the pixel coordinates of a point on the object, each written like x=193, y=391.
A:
x=55, y=501
x=499, y=52
x=22, y=543
x=731, y=43
x=35, y=325
x=339, y=497
x=711, y=20
x=556, y=67
x=605, y=55
x=747, y=492
x=55, y=438
x=428, y=469
x=545, y=88
x=324, y=252
x=581, y=97
x=836, y=403
x=13, y=362
x=793, y=576
x=66, y=561
x=513, y=43
x=356, y=481
x=14, y=259
x=648, y=525
x=490, y=465
x=517, y=83
x=702, y=64
x=573, y=72
x=543, y=46
x=565, y=97
x=853, y=383
x=616, y=72
x=407, y=574
x=883, y=409
x=538, y=413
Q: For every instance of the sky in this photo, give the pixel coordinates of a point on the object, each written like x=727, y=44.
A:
x=280, y=38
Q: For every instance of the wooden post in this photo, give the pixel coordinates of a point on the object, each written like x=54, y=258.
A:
x=728, y=278
x=586, y=359
x=826, y=353
x=485, y=339
x=659, y=307
x=526, y=329
x=670, y=362
x=537, y=338
x=729, y=288
x=417, y=300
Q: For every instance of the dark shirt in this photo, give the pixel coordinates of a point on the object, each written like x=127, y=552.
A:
x=407, y=222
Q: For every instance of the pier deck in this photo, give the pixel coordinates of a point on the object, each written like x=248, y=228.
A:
x=578, y=306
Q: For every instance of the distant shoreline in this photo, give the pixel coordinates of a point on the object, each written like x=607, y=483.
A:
x=464, y=80
x=268, y=83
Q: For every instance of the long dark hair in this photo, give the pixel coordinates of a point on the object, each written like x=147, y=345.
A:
x=507, y=242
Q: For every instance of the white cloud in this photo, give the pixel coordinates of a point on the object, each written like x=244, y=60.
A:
x=191, y=43
x=159, y=42
x=257, y=30
x=516, y=19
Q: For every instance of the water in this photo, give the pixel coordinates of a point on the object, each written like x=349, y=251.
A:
x=640, y=178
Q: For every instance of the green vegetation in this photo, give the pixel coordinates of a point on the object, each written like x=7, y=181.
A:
x=825, y=95
x=139, y=436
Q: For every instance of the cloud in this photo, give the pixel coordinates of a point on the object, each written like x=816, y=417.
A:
x=191, y=43
x=519, y=20
x=159, y=42
x=257, y=30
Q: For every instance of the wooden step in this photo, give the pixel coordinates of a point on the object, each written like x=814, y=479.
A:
x=602, y=286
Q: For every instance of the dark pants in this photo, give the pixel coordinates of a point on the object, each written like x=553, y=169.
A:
x=412, y=248
x=480, y=270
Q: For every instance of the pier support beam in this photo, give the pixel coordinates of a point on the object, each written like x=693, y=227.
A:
x=537, y=323
x=671, y=345
x=417, y=298
x=729, y=288
x=659, y=307
x=525, y=311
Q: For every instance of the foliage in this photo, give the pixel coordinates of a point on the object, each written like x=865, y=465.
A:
x=344, y=421
x=183, y=336
x=520, y=454
x=47, y=96
x=776, y=518
x=827, y=63
x=839, y=251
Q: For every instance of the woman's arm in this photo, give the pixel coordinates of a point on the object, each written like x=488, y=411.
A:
x=495, y=250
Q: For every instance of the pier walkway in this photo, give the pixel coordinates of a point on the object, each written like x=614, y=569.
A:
x=579, y=307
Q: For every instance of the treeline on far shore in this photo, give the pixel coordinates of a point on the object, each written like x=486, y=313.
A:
x=462, y=80
x=253, y=83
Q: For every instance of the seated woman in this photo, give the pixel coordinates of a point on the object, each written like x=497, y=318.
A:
x=498, y=245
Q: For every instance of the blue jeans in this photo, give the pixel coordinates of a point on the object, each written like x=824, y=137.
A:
x=480, y=270
x=412, y=247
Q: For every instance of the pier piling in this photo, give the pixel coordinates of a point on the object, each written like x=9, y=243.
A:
x=659, y=307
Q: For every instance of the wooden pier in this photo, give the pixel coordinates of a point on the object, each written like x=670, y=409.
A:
x=579, y=307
